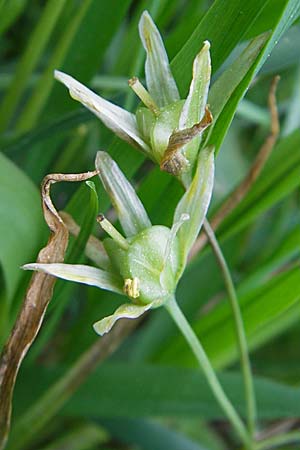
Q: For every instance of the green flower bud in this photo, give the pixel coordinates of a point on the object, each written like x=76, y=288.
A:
x=166, y=129
x=148, y=262
x=144, y=261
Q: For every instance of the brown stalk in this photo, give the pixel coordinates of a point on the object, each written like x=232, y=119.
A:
x=255, y=170
x=279, y=427
x=35, y=303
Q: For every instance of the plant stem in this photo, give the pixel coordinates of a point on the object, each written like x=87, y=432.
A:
x=195, y=345
x=293, y=436
x=239, y=329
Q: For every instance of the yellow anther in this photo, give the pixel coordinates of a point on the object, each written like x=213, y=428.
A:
x=131, y=287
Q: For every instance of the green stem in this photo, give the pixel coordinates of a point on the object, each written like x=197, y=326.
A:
x=239, y=329
x=36, y=45
x=208, y=371
x=287, y=438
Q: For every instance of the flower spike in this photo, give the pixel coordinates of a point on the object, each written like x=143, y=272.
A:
x=165, y=128
x=147, y=264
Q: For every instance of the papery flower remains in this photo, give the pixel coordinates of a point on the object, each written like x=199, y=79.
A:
x=147, y=263
x=165, y=128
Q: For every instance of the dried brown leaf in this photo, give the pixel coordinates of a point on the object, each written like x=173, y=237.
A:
x=35, y=303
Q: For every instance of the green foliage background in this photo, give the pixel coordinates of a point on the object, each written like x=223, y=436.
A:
x=150, y=395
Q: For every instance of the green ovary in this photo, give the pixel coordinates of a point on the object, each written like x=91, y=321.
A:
x=157, y=130
x=145, y=260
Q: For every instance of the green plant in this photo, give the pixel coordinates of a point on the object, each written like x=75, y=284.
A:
x=180, y=136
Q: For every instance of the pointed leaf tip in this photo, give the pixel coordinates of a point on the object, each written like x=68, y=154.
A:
x=194, y=106
x=195, y=111
x=159, y=79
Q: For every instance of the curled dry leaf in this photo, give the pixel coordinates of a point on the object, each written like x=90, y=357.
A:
x=174, y=161
x=35, y=303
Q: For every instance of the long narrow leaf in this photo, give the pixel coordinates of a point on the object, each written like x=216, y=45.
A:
x=152, y=390
x=81, y=274
x=117, y=119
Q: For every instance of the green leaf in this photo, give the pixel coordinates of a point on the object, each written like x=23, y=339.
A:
x=292, y=119
x=41, y=134
x=223, y=89
x=83, y=437
x=22, y=226
x=153, y=391
x=13, y=9
x=284, y=55
x=224, y=25
x=267, y=19
x=150, y=435
x=290, y=9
